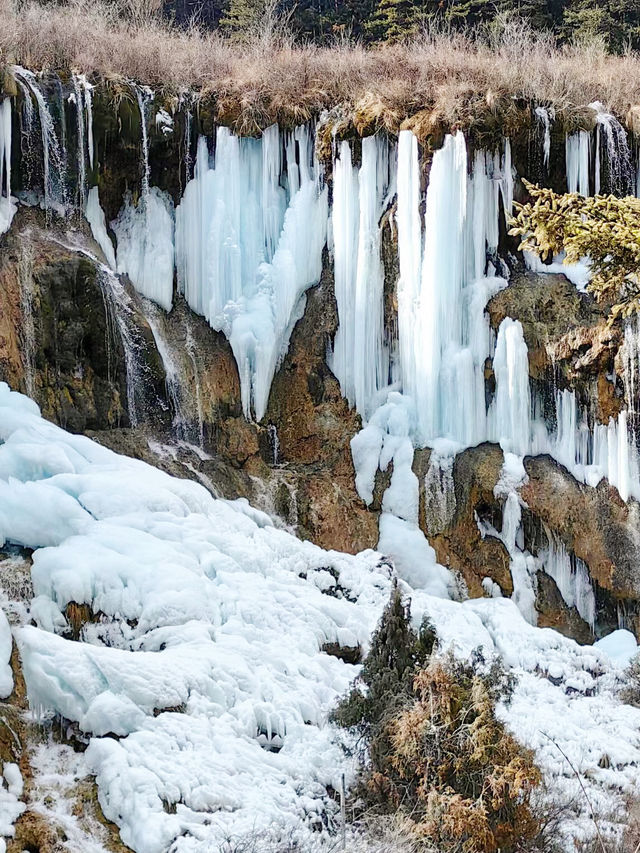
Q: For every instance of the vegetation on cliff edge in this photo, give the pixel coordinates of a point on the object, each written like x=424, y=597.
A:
x=604, y=229
x=444, y=78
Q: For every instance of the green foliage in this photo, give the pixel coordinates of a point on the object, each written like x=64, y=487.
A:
x=242, y=17
x=439, y=759
x=393, y=20
x=604, y=228
x=386, y=681
x=616, y=22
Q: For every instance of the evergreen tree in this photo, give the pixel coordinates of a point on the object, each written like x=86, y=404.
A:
x=393, y=20
x=386, y=682
x=242, y=18
x=617, y=22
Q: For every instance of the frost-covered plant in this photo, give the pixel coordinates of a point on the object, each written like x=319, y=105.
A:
x=438, y=757
x=630, y=693
x=465, y=780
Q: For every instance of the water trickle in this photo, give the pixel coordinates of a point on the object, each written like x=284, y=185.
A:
x=177, y=383
x=132, y=342
x=82, y=170
x=54, y=172
x=191, y=352
x=272, y=430
x=615, y=155
x=439, y=493
x=144, y=96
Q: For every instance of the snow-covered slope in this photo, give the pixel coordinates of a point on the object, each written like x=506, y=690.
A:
x=204, y=682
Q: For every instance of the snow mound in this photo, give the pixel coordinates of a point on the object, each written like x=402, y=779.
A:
x=203, y=680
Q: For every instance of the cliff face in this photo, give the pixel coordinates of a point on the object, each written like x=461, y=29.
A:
x=99, y=357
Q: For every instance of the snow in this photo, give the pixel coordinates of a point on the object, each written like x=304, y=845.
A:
x=621, y=646
x=10, y=806
x=203, y=684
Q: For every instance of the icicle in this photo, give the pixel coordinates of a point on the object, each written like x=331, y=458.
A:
x=444, y=338
x=7, y=207
x=96, y=219
x=360, y=358
x=572, y=578
x=5, y=147
x=578, y=154
x=245, y=268
x=511, y=408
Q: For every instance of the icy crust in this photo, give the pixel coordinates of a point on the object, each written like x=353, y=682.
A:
x=203, y=682
x=11, y=808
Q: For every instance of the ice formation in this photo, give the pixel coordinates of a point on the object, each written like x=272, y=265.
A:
x=250, y=231
x=207, y=662
x=7, y=206
x=96, y=219
x=360, y=355
x=544, y=116
x=144, y=232
x=6, y=676
x=578, y=154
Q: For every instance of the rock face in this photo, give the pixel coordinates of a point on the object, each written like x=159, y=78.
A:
x=459, y=543
x=569, y=341
x=314, y=427
x=596, y=525
x=57, y=336
x=176, y=379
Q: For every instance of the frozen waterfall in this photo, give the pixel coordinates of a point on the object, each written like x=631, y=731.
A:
x=250, y=231
x=360, y=355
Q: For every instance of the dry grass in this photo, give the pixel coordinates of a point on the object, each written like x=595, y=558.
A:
x=453, y=77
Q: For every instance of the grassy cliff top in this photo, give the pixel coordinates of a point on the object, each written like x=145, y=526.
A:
x=433, y=80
